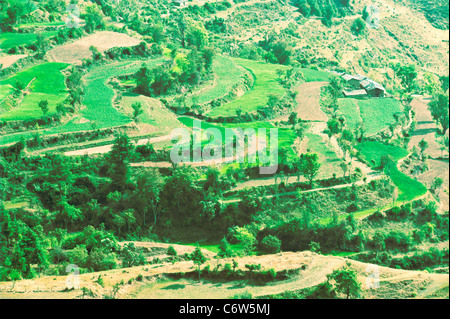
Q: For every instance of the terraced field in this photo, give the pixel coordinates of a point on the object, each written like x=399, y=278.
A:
x=45, y=81
x=375, y=114
x=155, y=118
x=99, y=96
x=408, y=188
x=98, y=99
x=265, y=83
x=227, y=75
x=9, y=40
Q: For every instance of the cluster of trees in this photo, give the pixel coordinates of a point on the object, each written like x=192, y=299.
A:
x=327, y=9
x=181, y=71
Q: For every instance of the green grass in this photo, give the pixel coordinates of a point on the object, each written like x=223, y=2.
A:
x=9, y=40
x=350, y=109
x=408, y=188
x=316, y=75
x=98, y=99
x=373, y=151
x=327, y=156
x=215, y=247
x=98, y=95
x=5, y=90
x=227, y=74
x=265, y=83
x=41, y=24
x=48, y=84
x=375, y=114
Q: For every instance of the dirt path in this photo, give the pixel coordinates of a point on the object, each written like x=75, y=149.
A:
x=358, y=183
x=107, y=148
x=8, y=60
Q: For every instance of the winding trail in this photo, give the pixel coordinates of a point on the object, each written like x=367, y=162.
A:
x=358, y=183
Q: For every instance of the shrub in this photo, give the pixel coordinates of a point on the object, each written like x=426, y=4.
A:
x=270, y=244
x=171, y=251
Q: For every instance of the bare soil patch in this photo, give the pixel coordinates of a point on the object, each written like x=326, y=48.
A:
x=308, y=102
x=76, y=51
x=9, y=60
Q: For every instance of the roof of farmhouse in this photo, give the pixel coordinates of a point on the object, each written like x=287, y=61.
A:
x=355, y=92
x=369, y=85
x=358, y=77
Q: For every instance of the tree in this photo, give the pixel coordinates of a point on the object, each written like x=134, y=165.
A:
x=198, y=258
x=118, y=161
x=181, y=28
x=344, y=166
x=270, y=244
x=197, y=36
x=444, y=79
x=310, y=165
x=334, y=126
x=335, y=89
x=137, y=110
x=208, y=55
x=43, y=105
x=42, y=44
x=143, y=81
x=345, y=280
x=423, y=145
x=439, y=108
x=157, y=33
x=437, y=183
x=358, y=26
x=171, y=251
x=130, y=256
x=149, y=185
x=225, y=249
x=407, y=75
x=93, y=18
x=246, y=238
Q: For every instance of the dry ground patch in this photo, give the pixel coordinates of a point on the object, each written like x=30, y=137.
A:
x=76, y=51
x=306, y=270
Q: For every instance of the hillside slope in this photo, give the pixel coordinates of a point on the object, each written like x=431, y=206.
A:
x=307, y=270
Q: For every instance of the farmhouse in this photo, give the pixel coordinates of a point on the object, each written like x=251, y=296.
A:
x=355, y=93
x=373, y=88
x=354, y=80
x=180, y=3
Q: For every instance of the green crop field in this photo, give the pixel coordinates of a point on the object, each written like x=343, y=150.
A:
x=265, y=83
x=9, y=40
x=47, y=84
x=316, y=75
x=42, y=24
x=98, y=96
x=373, y=151
x=350, y=109
x=227, y=74
x=375, y=114
x=408, y=188
x=327, y=156
x=5, y=90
